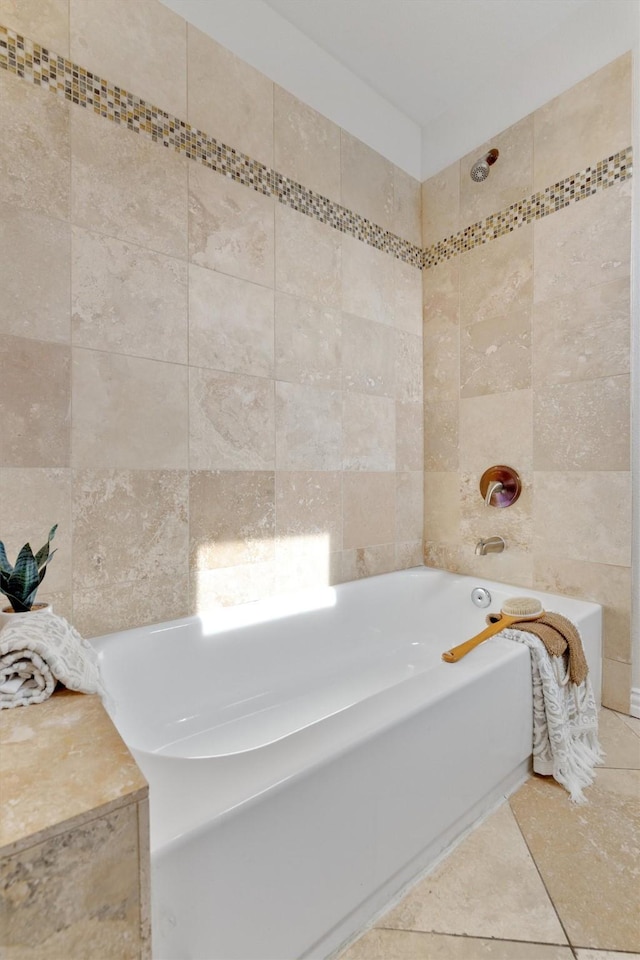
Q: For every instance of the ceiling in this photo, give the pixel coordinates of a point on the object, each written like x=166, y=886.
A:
x=427, y=56
x=423, y=82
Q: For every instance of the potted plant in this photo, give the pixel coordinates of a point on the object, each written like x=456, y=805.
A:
x=20, y=583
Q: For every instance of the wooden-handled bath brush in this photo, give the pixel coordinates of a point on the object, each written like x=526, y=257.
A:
x=515, y=610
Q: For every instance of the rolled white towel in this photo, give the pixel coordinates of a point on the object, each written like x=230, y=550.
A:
x=37, y=651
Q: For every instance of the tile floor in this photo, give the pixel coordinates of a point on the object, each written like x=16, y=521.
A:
x=540, y=879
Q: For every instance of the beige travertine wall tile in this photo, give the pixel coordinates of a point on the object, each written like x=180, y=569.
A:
x=441, y=449
x=442, y=507
x=367, y=282
x=35, y=253
x=406, y=281
x=123, y=606
x=514, y=524
x=231, y=228
x=304, y=563
x=616, y=686
x=37, y=177
x=231, y=421
x=309, y=504
x=495, y=354
x=409, y=506
x=442, y=556
x=407, y=207
x=126, y=299
x=229, y=99
x=583, y=515
x=497, y=278
x=441, y=332
x=368, y=432
x=45, y=21
x=573, y=131
x=409, y=435
x=381, y=944
x=367, y=181
x=590, y=882
x=584, y=335
x=31, y=501
x=514, y=565
x=409, y=554
x=298, y=447
x=308, y=342
x=602, y=583
x=409, y=367
x=584, y=245
x=140, y=46
x=128, y=413
x=368, y=356
x=127, y=186
x=129, y=526
x=510, y=177
x=231, y=518
x=496, y=428
x=35, y=395
x=307, y=145
x=307, y=257
x=211, y=589
x=231, y=323
x=368, y=561
x=369, y=502
x=441, y=292
x=441, y=205
x=81, y=898
x=441, y=369
x=583, y=425
x=453, y=898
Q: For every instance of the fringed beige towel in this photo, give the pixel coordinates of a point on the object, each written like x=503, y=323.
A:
x=38, y=650
x=565, y=718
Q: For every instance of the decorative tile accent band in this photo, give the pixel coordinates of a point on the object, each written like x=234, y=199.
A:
x=29, y=60
x=32, y=62
x=605, y=173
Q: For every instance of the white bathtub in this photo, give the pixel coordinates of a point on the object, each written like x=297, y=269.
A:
x=304, y=765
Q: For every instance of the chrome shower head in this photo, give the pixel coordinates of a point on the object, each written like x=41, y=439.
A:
x=480, y=169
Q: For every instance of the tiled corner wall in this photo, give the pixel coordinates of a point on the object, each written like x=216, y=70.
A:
x=217, y=397
x=526, y=341
x=217, y=390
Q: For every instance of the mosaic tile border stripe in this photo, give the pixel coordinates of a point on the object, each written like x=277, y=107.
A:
x=30, y=61
x=614, y=169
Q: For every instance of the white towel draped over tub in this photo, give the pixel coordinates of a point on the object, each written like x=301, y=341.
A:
x=565, y=720
x=36, y=651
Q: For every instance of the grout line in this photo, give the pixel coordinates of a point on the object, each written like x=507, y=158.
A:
x=542, y=879
x=472, y=936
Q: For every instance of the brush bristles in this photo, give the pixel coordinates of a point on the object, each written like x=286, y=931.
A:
x=521, y=607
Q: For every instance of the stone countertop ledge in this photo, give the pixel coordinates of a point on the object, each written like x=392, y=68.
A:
x=62, y=763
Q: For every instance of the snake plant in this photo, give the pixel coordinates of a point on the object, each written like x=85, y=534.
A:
x=20, y=583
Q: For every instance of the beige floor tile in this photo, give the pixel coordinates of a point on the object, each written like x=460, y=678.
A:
x=632, y=722
x=405, y=945
x=587, y=856
x=604, y=955
x=621, y=746
x=488, y=887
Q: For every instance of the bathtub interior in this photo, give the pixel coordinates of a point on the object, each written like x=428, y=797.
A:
x=252, y=675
